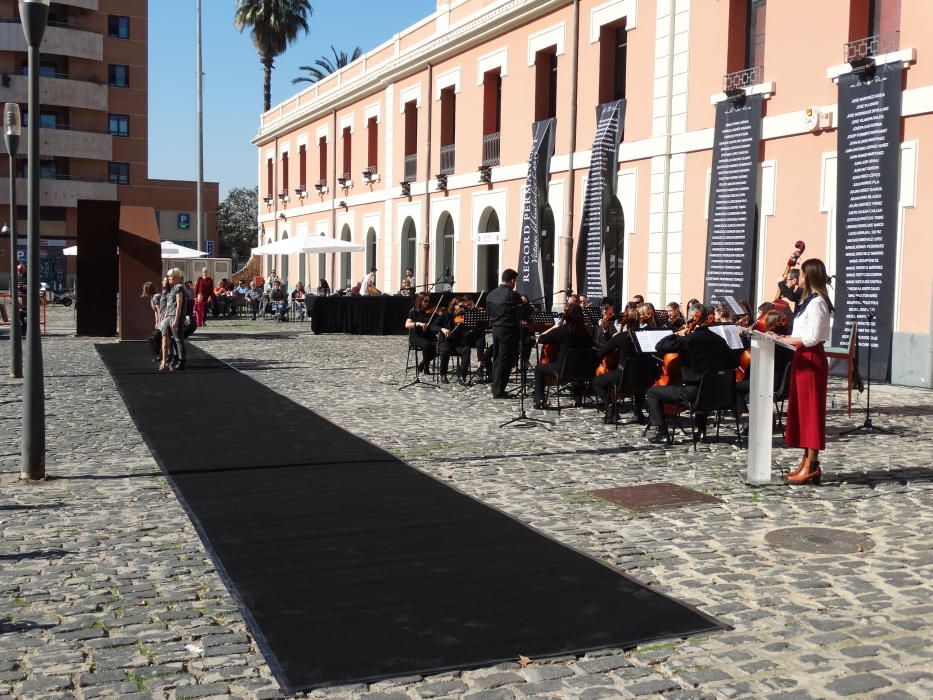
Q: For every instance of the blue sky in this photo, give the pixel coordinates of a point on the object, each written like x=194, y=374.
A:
x=233, y=77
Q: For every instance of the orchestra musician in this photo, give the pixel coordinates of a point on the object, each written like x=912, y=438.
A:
x=625, y=345
x=646, y=318
x=722, y=313
x=675, y=319
x=806, y=406
x=505, y=307
x=606, y=328
x=423, y=325
x=571, y=333
x=700, y=350
x=790, y=287
x=457, y=338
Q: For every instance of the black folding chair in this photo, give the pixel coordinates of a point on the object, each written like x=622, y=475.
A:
x=577, y=369
x=715, y=394
x=639, y=373
x=781, y=392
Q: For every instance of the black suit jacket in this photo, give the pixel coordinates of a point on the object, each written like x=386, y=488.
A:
x=700, y=351
x=502, y=304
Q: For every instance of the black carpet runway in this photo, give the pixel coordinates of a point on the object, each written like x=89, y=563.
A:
x=350, y=565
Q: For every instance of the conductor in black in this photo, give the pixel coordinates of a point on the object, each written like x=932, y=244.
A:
x=505, y=308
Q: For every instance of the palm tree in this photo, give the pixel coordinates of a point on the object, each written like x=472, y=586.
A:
x=274, y=25
x=324, y=66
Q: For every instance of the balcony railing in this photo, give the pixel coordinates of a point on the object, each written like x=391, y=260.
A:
x=491, y=149
x=448, y=155
x=872, y=46
x=741, y=79
x=411, y=167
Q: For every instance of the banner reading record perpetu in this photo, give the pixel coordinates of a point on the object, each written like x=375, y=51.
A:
x=530, y=281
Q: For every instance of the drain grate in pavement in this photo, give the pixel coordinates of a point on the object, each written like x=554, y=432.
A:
x=645, y=497
x=819, y=540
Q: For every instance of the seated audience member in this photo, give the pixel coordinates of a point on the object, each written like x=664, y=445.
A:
x=323, y=289
x=405, y=290
x=279, y=300
x=254, y=299
x=220, y=299
x=298, y=300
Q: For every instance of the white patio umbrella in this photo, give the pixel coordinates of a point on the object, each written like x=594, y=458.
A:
x=308, y=243
x=170, y=251
x=173, y=251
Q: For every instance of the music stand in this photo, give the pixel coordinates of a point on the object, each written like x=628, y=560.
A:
x=591, y=315
x=868, y=427
x=475, y=319
x=522, y=420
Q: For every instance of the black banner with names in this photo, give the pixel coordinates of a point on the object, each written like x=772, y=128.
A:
x=731, y=232
x=600, y=188
x=867, y=209
x=530, y=281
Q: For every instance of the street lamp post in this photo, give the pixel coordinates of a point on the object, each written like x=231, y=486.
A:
x=35, y=15
x=12, y=128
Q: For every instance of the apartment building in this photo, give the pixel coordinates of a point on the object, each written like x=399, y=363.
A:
x=94, y=77
x=420, y=148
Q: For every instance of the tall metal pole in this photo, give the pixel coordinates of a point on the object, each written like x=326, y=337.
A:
x=35, y=14
x=11, y=133
x=200, y=109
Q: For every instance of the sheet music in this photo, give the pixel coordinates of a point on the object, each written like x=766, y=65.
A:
x=734, y=305
x=648, y=340
x=730, y=333
x=775, y=340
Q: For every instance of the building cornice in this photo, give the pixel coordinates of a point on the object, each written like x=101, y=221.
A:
x=474, y=31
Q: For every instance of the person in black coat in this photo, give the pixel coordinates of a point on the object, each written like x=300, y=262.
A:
x=505, y=308
x=423, y=325
x=623, y=344
x=700, y=351
x=571, y=332
x=790, y=287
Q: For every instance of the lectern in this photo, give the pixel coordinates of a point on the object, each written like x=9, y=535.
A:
x=760, y=403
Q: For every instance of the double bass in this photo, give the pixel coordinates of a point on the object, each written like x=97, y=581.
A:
x=779, y=304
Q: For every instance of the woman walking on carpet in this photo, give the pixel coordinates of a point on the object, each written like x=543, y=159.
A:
x=806, y=405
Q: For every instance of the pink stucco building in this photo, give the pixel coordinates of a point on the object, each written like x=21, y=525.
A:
x=419, y=149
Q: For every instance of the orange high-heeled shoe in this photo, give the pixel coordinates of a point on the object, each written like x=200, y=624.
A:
x=799, y=467
x=810, y=473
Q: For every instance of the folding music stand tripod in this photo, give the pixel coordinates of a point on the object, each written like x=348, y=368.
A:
x=417, y=380
x=522, y=420
x=868, y=427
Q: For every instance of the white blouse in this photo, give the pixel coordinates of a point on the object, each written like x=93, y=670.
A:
x=812, y=325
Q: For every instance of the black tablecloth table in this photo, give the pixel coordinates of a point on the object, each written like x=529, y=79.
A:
x=373, y=315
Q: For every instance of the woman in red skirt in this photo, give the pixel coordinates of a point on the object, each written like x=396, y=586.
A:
x=806, y=405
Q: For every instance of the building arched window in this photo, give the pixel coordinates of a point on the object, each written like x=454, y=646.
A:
x=444, y=253
x=346, y=270
x=409, y=243
x=370, y=248
x=283, y=268
x=488, y=240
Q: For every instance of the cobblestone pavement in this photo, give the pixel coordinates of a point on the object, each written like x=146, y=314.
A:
x=105, y=588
